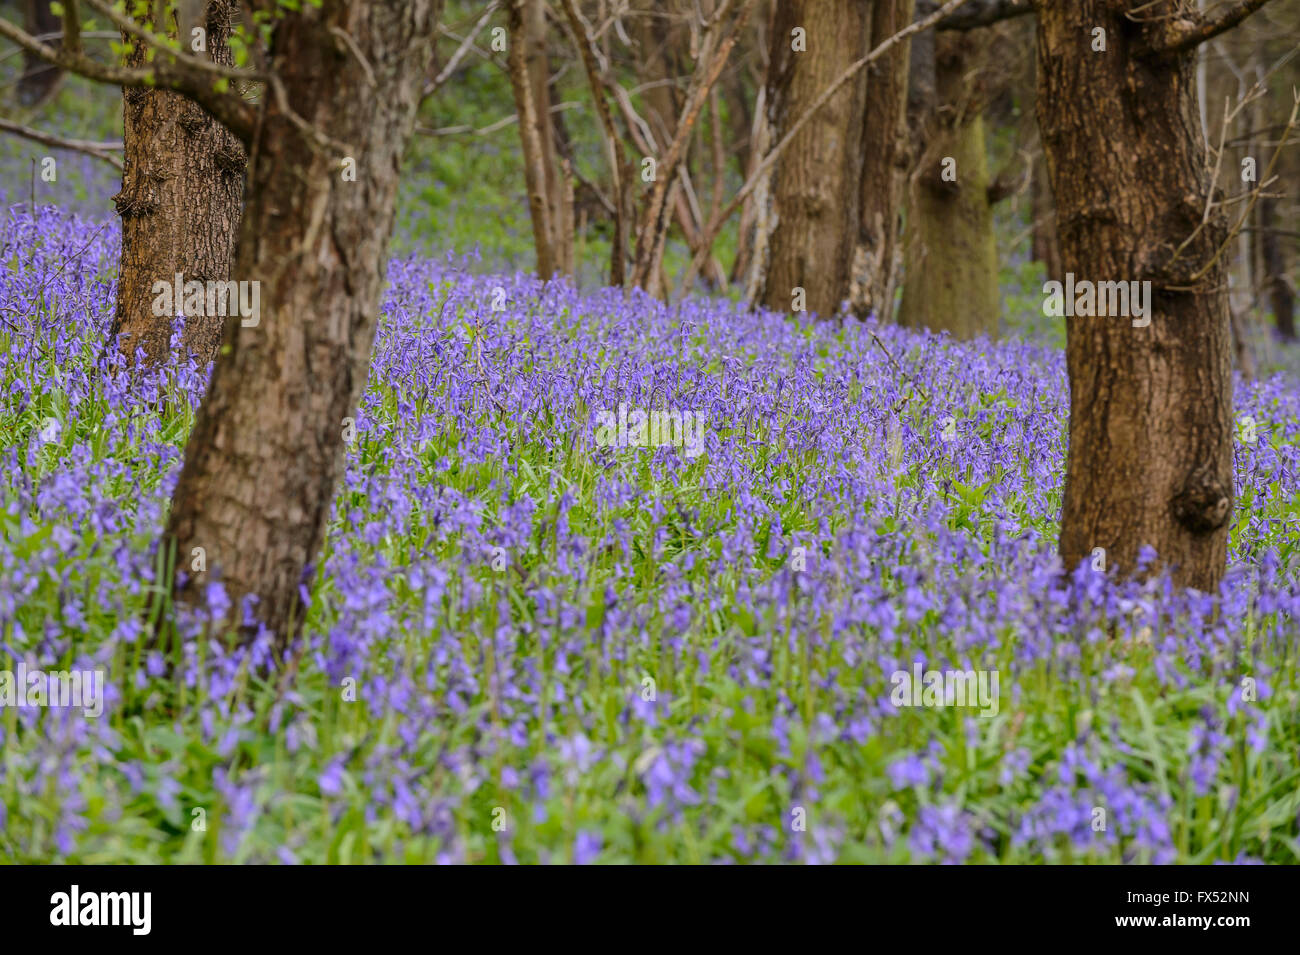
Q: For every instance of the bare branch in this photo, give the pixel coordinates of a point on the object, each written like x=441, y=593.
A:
x=164, y=46
x=58, y=35
x=465, y=46
x=72, y=26
x=317, y=137
x=1285, y=233
x=490, y=128
x=981, y=13
x=715, y=226
x=1011, y=181
x=179, y=76
x=102, y=151
x=649, y=244
x=1255, y=194
x=473, y=47
x=1193, y=29
x=351, y=44
x=586, y=44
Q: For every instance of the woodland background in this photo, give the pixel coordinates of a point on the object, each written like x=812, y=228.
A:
x=474, y=636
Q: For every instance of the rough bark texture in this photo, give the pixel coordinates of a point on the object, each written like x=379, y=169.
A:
x=267, y=451
x=182, y=186
x=1150, y=445
x=950, y=275
x=884, y=165
x=814, y=193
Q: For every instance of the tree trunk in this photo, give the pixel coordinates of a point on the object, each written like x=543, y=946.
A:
x=756, y=215
x=884, y=165
x=1281, y=298
x=747, y=140
x=1046, y=247
x=1241, y=350
x=663, y=41
x=1246, y=292
x=745, y=232
x=664, y=38
x=620, y=168
x=950, y=275
x=817, y=180
x=740, y=140
x=714, y=44
x=182, y=186
x=267, y=451
x=1150, y=445
x=39, y=80
x=536, y=134
x=559, y=181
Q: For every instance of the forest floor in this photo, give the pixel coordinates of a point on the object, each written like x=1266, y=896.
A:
x=530, y=639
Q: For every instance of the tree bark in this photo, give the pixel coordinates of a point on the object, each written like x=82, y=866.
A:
x=535, y=132
x=1046, y=246
x=950, y=273
x=815, y=187
x=620, y=169
x=664, y=39
x=1281, y=297
x=756, y=214
x=559, y=181
x=884, y=166
x=1150, y=443
x=715, y=43
x=39, y=79
x=756, y=137
x=747, y=139
x=267, y=450
x=182, y=186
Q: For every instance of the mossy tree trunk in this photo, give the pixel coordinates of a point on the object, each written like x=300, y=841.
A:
x=950, y=271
